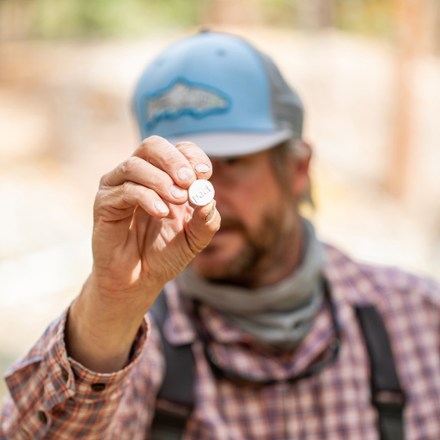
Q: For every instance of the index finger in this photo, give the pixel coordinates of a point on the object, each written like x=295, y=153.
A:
x=165, y=156
x=198, y=159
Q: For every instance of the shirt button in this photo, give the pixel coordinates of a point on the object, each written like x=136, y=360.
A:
x=64, y=374
x=98, y=387
x=42, y=417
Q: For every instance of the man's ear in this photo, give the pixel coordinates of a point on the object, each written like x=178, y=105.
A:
x=300, y=163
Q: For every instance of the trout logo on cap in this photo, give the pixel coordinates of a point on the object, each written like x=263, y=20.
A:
x=183, y=98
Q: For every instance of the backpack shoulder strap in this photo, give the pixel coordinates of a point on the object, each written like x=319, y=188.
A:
x=387, y=394
x=179, y=377
x=175, y=399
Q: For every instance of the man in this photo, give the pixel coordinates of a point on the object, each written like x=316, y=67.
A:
x=268, y=314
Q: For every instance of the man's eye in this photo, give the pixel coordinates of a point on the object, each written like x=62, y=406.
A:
x=232, y=161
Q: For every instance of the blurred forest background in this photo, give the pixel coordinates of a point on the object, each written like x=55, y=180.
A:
x=369, y=74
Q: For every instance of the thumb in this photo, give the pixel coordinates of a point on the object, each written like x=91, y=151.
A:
x=204, y=223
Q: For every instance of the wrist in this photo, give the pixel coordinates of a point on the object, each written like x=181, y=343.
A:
x=124, y=289
x=100, y=329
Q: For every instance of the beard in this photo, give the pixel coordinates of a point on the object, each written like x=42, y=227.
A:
x=262, y=247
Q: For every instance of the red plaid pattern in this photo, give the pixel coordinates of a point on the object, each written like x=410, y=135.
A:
x=52, y=396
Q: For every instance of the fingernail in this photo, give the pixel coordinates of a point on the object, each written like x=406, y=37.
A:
x=211, y=213
x=202, y=168
x=177, y=192
x=161, y=207
x=185, y=174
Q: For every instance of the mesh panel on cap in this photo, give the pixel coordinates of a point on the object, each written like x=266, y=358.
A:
x=287, y=107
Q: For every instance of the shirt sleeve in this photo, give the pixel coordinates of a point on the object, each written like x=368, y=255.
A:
x=54, y=397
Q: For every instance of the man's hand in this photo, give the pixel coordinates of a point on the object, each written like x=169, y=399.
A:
x=144, y=234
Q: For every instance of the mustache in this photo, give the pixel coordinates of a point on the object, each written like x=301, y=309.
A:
x=232, y=224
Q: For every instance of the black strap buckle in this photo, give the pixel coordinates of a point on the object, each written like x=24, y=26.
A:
x=387, y=397
x=390, y=402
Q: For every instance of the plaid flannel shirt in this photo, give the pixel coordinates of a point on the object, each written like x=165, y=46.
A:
x=52, y=396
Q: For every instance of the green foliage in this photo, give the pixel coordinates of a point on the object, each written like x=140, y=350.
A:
x=372, y=17
x=89, y=18
x=104, y=18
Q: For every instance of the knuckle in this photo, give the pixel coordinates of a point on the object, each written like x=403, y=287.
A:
x=151, y=140
x=188, y=148
x=152, y=148
x=100, y=194
x=102, y=181
x=125, y=190
x=185, y=145
x=170, y=157
x=155, y=182
x=172, y=160
x=192, y=150
x=129, y=165
x=194, y=243
x=155, y=138
x=195, y=246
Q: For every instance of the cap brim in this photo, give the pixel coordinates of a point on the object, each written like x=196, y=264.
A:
x=232, y=144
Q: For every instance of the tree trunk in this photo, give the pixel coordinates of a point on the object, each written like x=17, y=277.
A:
x=14, y=19
x=410, y=26
x=315, y=14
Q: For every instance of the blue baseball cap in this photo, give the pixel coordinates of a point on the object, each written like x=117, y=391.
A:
x=220, y=92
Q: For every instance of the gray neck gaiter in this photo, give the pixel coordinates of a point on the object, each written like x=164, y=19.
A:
x=279, y=315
